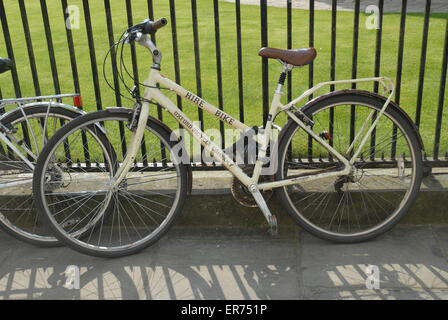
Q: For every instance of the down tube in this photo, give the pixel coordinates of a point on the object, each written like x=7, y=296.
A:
x=200, y=136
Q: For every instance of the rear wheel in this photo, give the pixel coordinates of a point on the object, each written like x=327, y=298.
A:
x=28, y=129
x=370, y=200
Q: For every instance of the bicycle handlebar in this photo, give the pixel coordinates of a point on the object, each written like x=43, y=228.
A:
x=157, y=25
x=148, y=26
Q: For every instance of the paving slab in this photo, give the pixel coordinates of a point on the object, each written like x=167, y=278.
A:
x=382, y=294
x=231, y=264
x=258, y=268
x=410, y=262
x=183, y=265
x=440, y=233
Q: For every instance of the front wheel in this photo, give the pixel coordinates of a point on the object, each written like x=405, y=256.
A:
x=380, y=190
x=110, y=221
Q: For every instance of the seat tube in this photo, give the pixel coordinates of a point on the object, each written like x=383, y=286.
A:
x=268, y=127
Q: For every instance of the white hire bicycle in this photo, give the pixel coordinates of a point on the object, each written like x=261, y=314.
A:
x=347, y=164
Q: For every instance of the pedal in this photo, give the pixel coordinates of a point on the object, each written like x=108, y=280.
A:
x=273, y=230
x=270, y=218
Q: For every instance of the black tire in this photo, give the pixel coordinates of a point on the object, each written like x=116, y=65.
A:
x=367, y=197
x=128, y=240
x=19, y=216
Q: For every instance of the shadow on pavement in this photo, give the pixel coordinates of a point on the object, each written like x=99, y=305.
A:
x=412, y=264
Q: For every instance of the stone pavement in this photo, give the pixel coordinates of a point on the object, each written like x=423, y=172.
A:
x=235, y=264
x=347, y=5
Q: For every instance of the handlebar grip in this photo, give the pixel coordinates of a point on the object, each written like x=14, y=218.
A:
x=151, y=27
x=159, y=24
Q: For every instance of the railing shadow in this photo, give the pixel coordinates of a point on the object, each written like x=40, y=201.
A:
x=156, y=273
x=409, y=281
x=178, y=268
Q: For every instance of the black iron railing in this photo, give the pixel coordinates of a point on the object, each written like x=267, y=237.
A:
x=438, y=155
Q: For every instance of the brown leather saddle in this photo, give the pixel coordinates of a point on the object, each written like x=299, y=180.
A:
x=295, y=57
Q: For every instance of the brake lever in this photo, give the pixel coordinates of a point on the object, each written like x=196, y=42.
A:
x=130, y=37
x=138, y=27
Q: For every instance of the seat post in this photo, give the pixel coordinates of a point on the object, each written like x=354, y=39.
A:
x=281, y=81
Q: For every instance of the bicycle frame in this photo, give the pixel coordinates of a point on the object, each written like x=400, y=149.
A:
x=152, y=93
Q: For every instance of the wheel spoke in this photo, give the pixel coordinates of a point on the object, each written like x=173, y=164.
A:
x=117, y=220
x=30, y=128
x=359, y=204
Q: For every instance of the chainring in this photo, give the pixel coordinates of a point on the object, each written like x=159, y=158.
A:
x=243, y=195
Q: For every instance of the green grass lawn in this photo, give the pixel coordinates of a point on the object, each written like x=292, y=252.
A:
x=251, y=61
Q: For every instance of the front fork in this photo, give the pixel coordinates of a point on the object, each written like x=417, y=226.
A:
x=136, y=138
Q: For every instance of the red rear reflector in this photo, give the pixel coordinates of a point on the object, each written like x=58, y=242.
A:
x=77, y=101
x=325, y=135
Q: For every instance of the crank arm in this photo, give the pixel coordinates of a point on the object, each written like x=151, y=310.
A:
x=271, y=219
